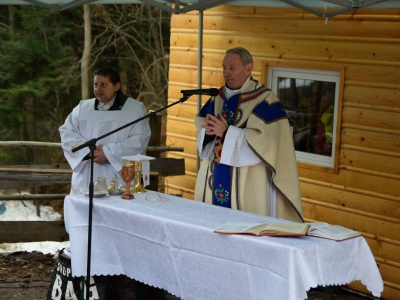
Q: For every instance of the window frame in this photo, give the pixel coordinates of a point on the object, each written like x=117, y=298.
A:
x=308, y=70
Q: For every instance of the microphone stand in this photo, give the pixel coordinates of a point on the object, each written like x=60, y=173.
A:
x=92, y=146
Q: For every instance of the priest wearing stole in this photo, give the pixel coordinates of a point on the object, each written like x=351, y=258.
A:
x=245, y=141
x=95, y=117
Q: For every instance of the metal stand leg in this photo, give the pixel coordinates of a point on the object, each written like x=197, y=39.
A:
x=139, y=290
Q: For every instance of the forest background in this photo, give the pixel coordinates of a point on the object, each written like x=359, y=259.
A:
x=47, y=59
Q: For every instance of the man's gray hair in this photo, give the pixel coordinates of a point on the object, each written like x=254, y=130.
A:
x=244, y=55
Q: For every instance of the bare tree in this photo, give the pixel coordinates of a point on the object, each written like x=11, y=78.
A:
x=134, y=38
x=86, y=55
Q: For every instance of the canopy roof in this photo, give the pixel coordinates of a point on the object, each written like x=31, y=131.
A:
x=183, y=6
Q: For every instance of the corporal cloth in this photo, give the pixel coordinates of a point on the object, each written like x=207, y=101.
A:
x=85, y=123
x=259, y=116
x=170, y=244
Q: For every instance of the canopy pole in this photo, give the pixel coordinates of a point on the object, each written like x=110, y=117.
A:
x=199, y=72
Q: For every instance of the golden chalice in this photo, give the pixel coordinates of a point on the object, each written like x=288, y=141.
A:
x=127, y=175
x=138, y=188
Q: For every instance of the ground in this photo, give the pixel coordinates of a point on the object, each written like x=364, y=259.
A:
x=27, y=276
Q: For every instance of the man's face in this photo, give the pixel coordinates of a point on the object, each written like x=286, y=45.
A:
x=104, y=89
x=235, y=73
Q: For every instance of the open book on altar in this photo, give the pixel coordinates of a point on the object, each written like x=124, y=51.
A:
x=319, y=229
x=332, y=232
x=271, y=229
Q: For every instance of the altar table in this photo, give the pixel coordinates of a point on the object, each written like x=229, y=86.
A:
x=168, y=242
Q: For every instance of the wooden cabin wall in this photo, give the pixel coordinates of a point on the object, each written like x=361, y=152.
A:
x=364, y=194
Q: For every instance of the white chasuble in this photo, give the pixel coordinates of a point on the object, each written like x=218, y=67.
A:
x=258, y=148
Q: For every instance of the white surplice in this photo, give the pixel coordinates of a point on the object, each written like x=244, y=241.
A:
x=85, y=123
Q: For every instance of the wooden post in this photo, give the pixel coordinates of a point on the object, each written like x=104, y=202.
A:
x=155, y=140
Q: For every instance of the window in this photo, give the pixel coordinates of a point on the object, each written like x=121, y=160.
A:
x=311, y=101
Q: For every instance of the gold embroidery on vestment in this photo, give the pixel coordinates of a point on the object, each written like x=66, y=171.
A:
x=74, y=146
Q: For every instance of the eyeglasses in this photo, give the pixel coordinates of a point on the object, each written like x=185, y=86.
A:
x=155, y=197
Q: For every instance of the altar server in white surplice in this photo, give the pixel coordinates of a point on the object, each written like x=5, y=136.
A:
x=246, y=145
x=95, y=117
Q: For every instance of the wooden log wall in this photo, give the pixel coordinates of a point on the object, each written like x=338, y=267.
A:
x=364, y=194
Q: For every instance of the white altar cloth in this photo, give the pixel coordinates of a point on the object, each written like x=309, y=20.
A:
x=170, y=244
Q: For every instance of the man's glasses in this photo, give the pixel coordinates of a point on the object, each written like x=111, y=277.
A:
x=152, y=197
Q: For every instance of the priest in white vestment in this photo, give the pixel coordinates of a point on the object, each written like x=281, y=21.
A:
x=95, y=117
x=246, y=146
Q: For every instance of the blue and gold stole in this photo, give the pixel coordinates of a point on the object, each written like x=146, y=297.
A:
x=220, y=180
x=220, y=175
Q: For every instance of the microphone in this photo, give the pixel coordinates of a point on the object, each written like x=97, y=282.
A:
x=211, y=92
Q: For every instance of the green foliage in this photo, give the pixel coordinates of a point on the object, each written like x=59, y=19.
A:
x=35, y=55
x=33, y=58
x=40, y=66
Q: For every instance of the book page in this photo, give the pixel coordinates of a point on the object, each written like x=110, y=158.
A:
x=285, y=227
x=272, y=229
x=231, y=227
x=332, y=231
x=317, y=224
